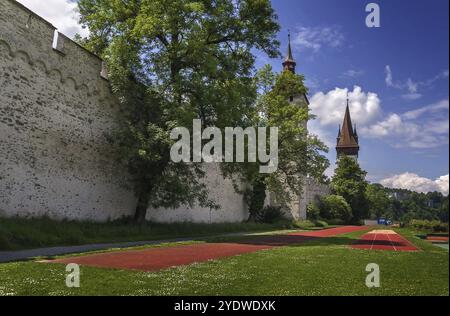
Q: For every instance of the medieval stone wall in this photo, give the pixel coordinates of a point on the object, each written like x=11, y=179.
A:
x=56, y=112
x=297, y=209
x=311, y=192
x=233, y=207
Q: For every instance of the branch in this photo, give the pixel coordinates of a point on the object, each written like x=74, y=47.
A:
x=163, y=39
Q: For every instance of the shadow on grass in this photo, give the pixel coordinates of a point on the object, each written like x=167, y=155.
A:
x=289, y=240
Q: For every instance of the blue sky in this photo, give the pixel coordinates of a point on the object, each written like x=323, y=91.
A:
x=397, y=76
x=404, y=128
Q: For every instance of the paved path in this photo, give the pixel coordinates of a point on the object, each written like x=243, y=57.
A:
x=160, y=258
x=17, y=255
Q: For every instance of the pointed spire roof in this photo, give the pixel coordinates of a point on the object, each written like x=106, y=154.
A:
x=289, y=62
x=289, y=56
x=348, y=137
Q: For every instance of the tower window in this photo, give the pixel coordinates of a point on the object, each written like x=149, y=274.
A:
x=291, y=98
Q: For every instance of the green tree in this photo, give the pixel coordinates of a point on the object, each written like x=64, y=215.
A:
x=443, y=211
x=255, y=198
x=171, y=61
x=299, y=154
x=397, y=209
x=379, y=202
x=349, y=181
x=335, y=207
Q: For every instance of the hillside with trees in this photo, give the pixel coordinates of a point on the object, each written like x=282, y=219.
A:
x=355, y=199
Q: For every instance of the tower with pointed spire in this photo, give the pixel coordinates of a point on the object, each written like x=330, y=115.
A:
x=289, y=62
x=312, y=188
x=347, y=140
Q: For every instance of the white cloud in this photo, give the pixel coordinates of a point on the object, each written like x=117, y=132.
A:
x=389, y=80
x=352, y=73
x=324, y=134
x=330, y=170
x=315, y=38
x=442, y=75
x=414, y=182
x=61, y=13
x=425, y=127
x=422, y=128
x=442, y=182
x=411, y=96
x=411, y=87
x=385, y=127
x=433, y=108
x=330, y=107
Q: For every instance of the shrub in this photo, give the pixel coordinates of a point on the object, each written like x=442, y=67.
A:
x=433, y=226
x=308, y=224
x=303, y=224
x=270, y=214
x=336, y=221
x=335, y=207
x=313, y=211
x=322, y=224
x=4, y=242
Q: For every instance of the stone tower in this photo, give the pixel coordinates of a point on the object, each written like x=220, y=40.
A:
x=311, y=187
x=289, y=64
x=347, y=140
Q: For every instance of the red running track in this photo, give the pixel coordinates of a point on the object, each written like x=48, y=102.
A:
x=437, y=238
x=382, y=241
x=154, y=259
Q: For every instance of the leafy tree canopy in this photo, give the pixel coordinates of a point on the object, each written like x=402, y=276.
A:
x=349, y=181
x=299, y=153
x=171, y=61
x=379, y=203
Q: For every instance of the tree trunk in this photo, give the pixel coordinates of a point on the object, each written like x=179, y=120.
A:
x=257, y=199
x=141, y=209
x=252, y=218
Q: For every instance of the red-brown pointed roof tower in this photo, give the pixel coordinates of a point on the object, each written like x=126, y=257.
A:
x=289, y=62
x=347, y=140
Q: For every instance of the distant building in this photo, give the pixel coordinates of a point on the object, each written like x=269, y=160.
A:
x=400, y=196
x=347, y=139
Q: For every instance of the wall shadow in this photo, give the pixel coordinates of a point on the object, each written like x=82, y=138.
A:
x=290, y=240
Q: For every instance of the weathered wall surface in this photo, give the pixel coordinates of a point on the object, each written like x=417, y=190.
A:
x=221, y=190
x=55, y=113
x=311, y=191
x=55, y=110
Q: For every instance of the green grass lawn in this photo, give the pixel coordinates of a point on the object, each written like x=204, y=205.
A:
x=320, y=267
x=16, y=233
